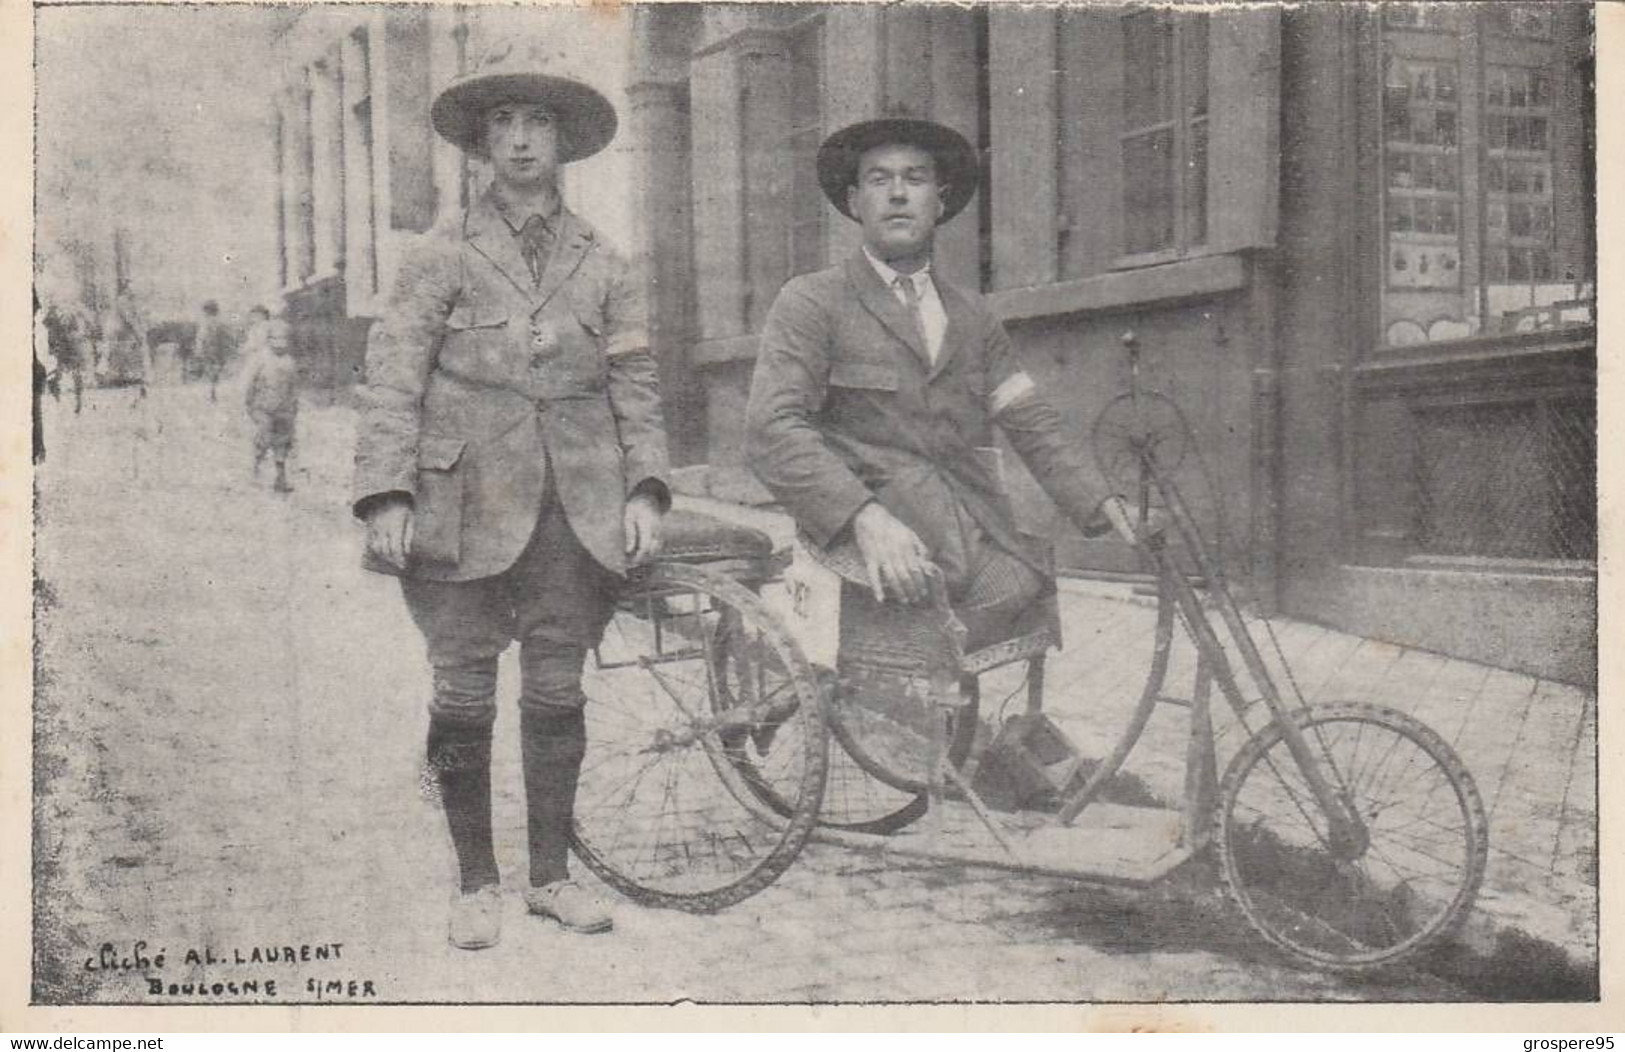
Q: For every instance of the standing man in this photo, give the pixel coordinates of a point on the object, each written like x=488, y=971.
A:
x=510, y=465
x=873, y=403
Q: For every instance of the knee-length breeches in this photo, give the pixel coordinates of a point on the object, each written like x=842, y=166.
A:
x=555, y=600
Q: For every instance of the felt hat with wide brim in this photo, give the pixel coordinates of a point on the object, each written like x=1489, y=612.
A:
x=957, y=167
x=510, y=74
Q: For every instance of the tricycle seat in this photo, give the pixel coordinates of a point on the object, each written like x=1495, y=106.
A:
x=689, y=537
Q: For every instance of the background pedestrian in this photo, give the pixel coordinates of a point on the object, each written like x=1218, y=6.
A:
x=272, y=398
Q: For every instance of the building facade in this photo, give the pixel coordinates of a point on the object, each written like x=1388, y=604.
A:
x=1356, y=244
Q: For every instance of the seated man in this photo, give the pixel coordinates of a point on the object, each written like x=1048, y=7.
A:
x=878, y=384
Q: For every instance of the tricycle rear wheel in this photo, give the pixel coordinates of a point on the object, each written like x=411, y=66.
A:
x=694, y=675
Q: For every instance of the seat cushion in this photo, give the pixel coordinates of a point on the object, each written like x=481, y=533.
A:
x=694, y=537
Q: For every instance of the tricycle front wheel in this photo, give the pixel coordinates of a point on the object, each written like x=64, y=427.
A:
x=1408, y=881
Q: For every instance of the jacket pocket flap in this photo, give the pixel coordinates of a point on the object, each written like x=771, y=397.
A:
x=441, y=454
x=476, y=316
x=588, y=312
x=873, y=376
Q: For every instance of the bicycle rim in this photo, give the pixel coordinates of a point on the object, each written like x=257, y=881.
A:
x=1414, y=880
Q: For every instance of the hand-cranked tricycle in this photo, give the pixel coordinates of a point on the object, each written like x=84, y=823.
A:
x=1349, y=835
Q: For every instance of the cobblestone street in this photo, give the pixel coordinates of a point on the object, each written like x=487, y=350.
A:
x=228, y=731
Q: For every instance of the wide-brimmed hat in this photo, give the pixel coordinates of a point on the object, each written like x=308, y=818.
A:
x=957, y=166
x=518, y=73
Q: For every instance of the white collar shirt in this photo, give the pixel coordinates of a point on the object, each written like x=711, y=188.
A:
x=933, y=318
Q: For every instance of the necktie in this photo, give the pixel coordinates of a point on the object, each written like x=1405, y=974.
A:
x=536, y=244
x=911, y=300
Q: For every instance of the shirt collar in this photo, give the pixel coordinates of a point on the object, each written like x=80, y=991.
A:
x=510, y=213
x=921, y=278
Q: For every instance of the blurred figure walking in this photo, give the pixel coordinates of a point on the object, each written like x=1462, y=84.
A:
x=254, y=335
x=64, y=338
x=213, y=346
x=127, y=358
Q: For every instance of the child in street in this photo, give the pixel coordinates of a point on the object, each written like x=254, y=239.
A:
x=272, y=397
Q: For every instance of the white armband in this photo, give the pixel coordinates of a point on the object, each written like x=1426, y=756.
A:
x=1015, y=388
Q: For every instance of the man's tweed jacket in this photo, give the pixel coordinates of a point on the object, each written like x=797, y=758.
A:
x=480, y=383
x=846, y=407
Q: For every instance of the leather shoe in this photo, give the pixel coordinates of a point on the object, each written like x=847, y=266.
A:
x=569, y=904
x=476, y=918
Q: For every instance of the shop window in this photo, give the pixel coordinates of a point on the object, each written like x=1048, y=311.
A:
x=1486, y=203
x=1483, y=455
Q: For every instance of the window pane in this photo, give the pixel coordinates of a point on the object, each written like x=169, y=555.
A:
x=1520, y=20
x=1165, y=140
x=1148, y=198
x=1148, y=46
x=1193, y=60
x=1420, y=99
x=1196, y=184
x=1434, y=17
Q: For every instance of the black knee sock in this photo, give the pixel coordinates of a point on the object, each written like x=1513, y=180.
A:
x=553, y=742
x=460, y=756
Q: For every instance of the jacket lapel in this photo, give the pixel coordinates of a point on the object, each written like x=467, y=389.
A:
x=880, y=301
x=960, y=323
x=571, y=245
x=491, y=237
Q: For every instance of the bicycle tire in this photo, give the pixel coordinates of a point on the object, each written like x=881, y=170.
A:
x=862, y=794
x=700, y=839
x=1402, y=891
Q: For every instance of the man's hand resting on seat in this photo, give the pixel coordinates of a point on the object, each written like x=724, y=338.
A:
x=894, y=557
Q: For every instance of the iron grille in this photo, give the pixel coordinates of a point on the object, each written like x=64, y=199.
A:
x=1512, y=480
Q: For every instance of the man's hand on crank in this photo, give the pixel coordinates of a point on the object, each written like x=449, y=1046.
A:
x=894, y=557
x=389, y=530
x=1126, y=517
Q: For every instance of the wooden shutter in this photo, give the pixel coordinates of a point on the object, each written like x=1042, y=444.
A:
x=1090, y=118
x=1022, y=50
x=1244, y=106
